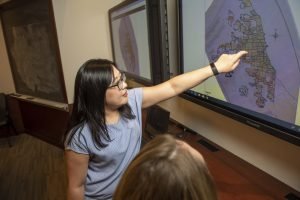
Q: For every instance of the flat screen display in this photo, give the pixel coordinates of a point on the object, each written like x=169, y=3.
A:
x=130, y=39
x=263, y=91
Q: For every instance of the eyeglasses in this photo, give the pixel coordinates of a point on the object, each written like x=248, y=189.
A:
x=120, y=82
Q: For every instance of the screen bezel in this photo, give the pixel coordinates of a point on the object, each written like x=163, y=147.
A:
x=227, y=109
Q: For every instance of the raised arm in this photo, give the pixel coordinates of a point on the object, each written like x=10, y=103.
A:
x=178, y=84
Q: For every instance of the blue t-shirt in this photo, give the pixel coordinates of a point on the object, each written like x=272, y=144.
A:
x=106, y=166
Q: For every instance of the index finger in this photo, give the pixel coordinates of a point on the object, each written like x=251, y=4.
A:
x=240, y=54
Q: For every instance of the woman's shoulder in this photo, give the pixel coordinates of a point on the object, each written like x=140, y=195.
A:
x=135, y=100
x=79, y=131
x=79, y=139
x=135, y=90
x=135, y=93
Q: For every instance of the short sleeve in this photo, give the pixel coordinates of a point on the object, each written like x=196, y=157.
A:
x=135, y=101
x=78, y=142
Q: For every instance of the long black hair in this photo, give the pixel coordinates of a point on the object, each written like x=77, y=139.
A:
x=92, y=80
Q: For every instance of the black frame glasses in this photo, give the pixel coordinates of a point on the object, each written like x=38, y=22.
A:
x=120, y=83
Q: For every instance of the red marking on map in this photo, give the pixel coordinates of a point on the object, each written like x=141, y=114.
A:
x=128, y=45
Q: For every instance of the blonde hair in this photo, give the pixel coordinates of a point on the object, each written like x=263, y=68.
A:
x=164, y=169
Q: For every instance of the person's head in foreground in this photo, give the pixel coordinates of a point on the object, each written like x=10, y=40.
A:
x=167, y=169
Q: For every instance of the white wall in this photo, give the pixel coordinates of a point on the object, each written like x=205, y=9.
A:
x=6, y=79
x=272, y=155
x=83, y=33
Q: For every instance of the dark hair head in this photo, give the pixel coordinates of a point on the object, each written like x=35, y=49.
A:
x=165, y=169
x=91, y=83
x=92, y=80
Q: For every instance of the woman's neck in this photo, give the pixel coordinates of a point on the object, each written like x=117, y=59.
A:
x=112, y=116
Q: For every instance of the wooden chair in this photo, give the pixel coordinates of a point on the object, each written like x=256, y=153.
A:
x=157, y=121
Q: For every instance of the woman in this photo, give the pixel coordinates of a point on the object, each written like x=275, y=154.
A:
x=105, y=129
x=166, y=169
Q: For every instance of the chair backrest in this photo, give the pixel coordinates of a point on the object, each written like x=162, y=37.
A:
x=3, y=109
x=157, y=120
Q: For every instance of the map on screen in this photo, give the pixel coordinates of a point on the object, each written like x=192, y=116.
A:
x=267, y=80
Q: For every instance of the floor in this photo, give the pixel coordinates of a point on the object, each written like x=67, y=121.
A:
x=31, y=170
